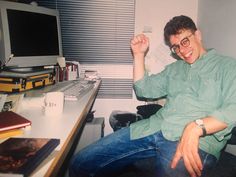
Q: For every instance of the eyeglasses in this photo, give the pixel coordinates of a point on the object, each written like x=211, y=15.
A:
x=185, y=42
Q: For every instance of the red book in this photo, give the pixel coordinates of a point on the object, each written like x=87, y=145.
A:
x=11, y=120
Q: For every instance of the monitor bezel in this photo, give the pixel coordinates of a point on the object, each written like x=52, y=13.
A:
x=13, y=62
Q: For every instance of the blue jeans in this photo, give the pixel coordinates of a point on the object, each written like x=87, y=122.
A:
x=115, y=151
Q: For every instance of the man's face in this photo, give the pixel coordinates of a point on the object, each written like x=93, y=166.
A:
x=187, y=45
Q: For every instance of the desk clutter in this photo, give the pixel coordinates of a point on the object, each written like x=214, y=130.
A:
x=49, y=99
x=30, y=105
x=20, y=156
x=44, y=104
x=68, y=71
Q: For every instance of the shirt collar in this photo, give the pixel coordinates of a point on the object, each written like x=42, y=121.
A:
x=204, y=58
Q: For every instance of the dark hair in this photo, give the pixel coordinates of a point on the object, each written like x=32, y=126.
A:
x=176, y=25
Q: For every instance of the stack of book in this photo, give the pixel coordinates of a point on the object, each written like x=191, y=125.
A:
x=11, y=124
x=91, y=75
x=69, y=72
x=19, y=156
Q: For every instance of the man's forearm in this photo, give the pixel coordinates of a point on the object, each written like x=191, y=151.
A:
x=139, y=67
x=213, y=125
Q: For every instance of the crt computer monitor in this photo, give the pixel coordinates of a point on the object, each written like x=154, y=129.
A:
x=30, y=36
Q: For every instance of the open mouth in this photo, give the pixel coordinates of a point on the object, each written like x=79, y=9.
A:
x=188, y=55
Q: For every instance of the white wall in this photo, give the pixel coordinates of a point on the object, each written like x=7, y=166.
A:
x=217, y=22
x=150, y=15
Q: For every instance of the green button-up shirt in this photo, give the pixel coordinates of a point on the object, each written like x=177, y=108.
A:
x=193, y=91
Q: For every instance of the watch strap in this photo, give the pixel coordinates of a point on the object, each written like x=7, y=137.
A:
x=200, y=124
x=203, y=130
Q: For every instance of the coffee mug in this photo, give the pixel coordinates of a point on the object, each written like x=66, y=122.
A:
x=53, y=103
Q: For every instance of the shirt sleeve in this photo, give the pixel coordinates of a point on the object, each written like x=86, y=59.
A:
x=227, y=109
x=153, y=86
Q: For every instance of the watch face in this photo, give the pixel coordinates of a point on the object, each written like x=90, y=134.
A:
x=199, y=121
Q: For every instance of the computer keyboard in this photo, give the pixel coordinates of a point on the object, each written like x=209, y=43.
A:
x=73, y=90
x=76, y=89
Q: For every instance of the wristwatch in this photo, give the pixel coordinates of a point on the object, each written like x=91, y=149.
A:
x=200, y=124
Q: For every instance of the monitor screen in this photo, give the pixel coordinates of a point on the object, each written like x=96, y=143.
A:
x=29, y=34
x=32, y=34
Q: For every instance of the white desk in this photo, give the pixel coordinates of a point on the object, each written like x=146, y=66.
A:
x=64, y=127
